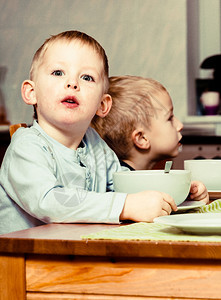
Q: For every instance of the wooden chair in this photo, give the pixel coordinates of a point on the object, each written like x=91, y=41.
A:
x=14, y=127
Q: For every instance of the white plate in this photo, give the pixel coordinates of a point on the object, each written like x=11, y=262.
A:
x=190, y=204
x=202, y=223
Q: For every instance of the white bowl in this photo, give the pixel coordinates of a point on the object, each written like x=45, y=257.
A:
x=176, y=183
x=206, y=170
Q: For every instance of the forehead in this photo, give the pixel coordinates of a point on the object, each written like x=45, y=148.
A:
x=161, y=104
x=162, y=100
x=71, y=50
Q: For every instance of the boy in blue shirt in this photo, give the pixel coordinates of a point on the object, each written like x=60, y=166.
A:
x=59, y=170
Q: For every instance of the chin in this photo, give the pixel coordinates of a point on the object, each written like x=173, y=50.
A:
x=171, y=155
x=175, y=154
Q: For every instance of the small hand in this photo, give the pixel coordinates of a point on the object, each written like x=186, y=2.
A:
x=199, y=192
x=147, y=205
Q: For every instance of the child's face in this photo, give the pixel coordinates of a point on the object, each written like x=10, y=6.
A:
x=164, y=131
x=68, y=86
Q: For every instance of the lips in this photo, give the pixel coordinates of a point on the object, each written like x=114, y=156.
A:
x=70, y=102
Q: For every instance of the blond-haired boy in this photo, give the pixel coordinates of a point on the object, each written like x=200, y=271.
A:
x=141, y=126
x=59, y=170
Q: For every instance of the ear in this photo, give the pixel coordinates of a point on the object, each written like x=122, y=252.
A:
x=105, y=106
x=140, y=139
x=28, y=92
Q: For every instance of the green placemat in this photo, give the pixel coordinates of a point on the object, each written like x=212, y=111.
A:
x=213, y=207
x=149, y=232
x=154, y=231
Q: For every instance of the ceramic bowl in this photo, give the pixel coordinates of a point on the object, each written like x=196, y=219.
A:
x=206, y=170
x=176, y=183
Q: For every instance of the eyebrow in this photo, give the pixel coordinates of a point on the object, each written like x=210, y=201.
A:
x=169, y=111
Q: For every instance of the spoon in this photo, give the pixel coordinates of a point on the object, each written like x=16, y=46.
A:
x=168, y=166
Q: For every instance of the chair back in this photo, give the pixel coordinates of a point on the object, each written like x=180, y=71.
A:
x=14, y=127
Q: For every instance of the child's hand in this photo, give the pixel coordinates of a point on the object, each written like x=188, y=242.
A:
x=198, y=191
x=147, y=205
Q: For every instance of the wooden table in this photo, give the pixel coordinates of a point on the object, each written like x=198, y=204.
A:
x=53, y=262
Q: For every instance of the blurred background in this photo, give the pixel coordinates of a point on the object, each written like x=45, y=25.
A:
x=164, y=39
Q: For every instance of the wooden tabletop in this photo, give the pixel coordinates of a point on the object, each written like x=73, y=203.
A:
x=66, y=239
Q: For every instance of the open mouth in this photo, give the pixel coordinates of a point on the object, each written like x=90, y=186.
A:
x=70, y=102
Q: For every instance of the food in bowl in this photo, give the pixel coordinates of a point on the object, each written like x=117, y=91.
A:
x=207, y=171
x=176, y=183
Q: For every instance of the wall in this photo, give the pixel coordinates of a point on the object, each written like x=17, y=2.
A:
x=203, y=40
x=142, y=37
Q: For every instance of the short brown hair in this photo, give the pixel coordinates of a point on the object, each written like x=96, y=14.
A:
x=133, y=104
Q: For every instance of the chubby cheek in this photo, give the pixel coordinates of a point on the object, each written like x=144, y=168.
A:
x=166, y=142
x=45, y=108
x=95, y=104
x=174, y=147
x=46, y=98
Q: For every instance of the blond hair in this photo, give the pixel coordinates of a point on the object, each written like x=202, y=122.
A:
x=133, y=104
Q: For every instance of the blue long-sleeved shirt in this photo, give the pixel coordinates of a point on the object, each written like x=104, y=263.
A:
x=42, y=181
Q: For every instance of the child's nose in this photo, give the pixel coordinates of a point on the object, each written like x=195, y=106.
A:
x=73, y=85
x=179, y=125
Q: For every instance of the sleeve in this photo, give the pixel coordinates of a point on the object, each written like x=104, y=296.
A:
x=113, y=165
x=31, y=181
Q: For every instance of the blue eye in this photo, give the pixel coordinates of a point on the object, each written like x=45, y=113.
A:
x=87, y=77
x=58, y=73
